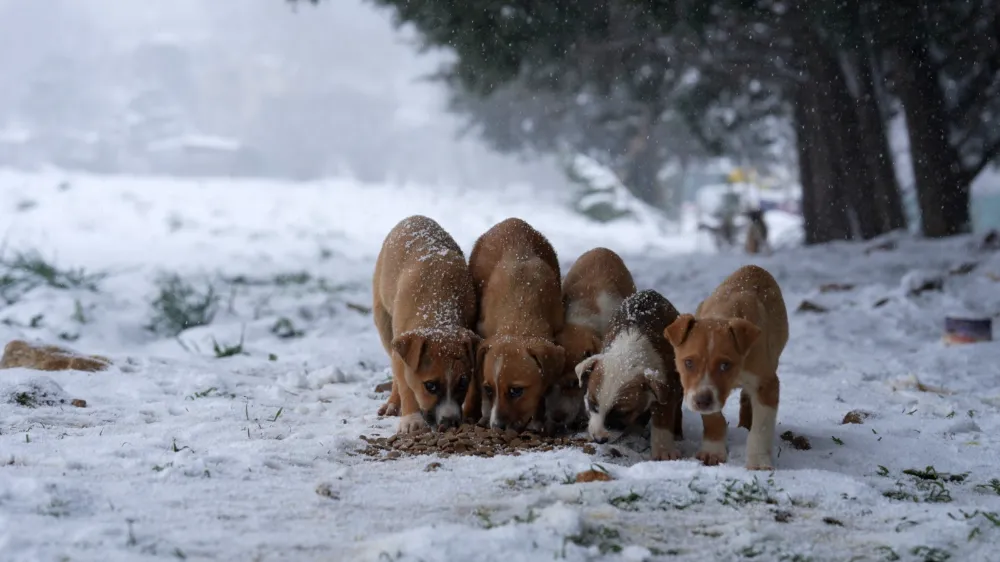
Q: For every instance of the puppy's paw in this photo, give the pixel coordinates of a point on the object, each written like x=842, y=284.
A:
x=712, y=453
x=759, y=462
x=535, y=426
x=483, y=421
x=389, y=409
x=666, y=455
x=412, y=424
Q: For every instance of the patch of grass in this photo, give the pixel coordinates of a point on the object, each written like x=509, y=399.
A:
x=25, y=399
x=284, y=329
x=223, y=351
x=930, y=473
x=992, y=486
x=626, y=503
x=180, y=305
x=203, y=394
x=929, y=486
x=837, y=440
x=161, y=468
x=24, y=271
x=930, y=554
x=606, y=539
x=737, y=492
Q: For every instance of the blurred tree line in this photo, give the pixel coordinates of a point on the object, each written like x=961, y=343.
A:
x=634, y=82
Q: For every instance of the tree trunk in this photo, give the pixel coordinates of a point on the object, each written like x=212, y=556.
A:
x=839, y=113
x=824, y=209
x=872, y=118
x=942, y=194
x=642, y=164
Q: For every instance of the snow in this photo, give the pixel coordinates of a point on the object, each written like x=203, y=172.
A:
x=182, y=455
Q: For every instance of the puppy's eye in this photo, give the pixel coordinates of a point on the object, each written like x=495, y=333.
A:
x=587, y=354
x=431, y=387
x=592, y=405
x=515, y=391
x=688, y=364
x=463, y=381
x=488, y=390
x=724, y=366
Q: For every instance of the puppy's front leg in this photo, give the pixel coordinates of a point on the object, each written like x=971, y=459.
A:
x=487, y=410
x=760, y=441
x=713, y=442
x=661, y=436
x=410, y=420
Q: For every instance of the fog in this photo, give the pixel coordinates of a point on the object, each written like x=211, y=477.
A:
x=231, y=87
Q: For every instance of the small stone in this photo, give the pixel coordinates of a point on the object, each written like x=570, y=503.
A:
x=589, y=450
x=593, y=476
x=79, y=402
x=515, y=442
x=394, y=455
x=856, y=416
x=509, y=435
x=432, y=467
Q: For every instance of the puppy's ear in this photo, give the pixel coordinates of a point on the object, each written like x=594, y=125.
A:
x=481, y=351
x=585, y=367
x=550, y=358
x=679, y=329
x=410, y=348
x=744, y=333
x=471, y=340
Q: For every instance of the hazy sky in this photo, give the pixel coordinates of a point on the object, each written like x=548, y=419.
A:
x=360, y=48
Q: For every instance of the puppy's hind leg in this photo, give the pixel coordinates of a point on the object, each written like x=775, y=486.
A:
x=746, y=410
x=383, y=322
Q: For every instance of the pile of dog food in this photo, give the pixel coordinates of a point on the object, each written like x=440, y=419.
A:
x=469, y=440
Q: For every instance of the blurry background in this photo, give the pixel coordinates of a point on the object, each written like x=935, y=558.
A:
x=230, y=87
x=629, y=112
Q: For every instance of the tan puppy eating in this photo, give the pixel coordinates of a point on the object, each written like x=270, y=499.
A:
x=516, y=275
x=592, y=290
x=424, y=309
x=734, y=339
x=634, y=377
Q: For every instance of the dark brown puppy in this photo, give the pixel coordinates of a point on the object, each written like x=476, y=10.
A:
x=593, y=289
x=425, y=308
x=516, y=276
x=635, y=375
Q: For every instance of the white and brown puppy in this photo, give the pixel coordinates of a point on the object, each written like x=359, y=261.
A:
x=734, y=340
x=516, y=275
x=592, y=290
x=425, y=309
x=633, y=378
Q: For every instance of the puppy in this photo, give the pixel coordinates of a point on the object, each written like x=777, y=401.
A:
x=756, y=241
x=734, y=339
x=425, y=309
x=516, y=276
x=633, y=378
x=593, y=289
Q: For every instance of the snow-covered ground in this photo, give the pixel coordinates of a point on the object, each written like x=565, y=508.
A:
x=181, y=455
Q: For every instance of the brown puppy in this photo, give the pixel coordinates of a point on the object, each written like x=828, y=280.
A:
x=734, y=340
x=516, y=276
x=593, y=289
x=634, y=375
x=424, y=309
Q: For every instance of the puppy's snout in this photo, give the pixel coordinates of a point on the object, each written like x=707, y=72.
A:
x=600, y=439
x=449, y=421
x=704, y=400
x=498, y=424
